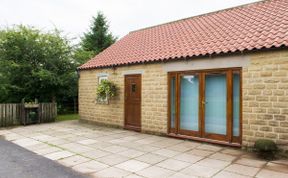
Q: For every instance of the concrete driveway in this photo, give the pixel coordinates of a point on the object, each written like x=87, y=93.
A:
x=109, y=152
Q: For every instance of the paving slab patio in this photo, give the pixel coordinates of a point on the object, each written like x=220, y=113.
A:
x=109, y=152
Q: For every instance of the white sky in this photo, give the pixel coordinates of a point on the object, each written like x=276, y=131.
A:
x=74, y=16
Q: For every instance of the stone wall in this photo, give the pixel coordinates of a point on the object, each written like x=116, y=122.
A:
x=154, y=97
x=265, y=98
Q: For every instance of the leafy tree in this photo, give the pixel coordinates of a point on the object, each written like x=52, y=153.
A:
x=42, y=65
x=98, y=37
x=81, y=56
x=5, y=86
x=34, y=64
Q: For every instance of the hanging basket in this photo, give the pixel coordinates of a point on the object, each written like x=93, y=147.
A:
x=106, y=90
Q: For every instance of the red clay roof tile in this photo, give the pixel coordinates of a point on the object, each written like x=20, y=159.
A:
x=253, y=26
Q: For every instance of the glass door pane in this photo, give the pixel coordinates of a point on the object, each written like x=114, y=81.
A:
x=189, y=100
x=215, y=103
x=236, y=103
x=172, y=101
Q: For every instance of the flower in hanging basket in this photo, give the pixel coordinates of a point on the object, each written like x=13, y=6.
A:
x=106, y=90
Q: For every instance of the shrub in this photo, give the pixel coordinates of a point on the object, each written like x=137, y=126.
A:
x=265, y=148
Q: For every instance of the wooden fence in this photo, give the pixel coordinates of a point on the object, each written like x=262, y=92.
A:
x=47, y=112
x=12, y=114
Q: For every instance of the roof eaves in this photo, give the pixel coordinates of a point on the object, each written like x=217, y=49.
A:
x=283, y=46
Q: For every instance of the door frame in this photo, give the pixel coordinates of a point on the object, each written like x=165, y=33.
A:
x=130, y=127
x=228, y=139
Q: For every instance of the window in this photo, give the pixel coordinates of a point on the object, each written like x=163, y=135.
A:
x=100, y=78
x=236, y=103
x=133, y=87
x=206, y=104
x=189, y=99
x=172, y=106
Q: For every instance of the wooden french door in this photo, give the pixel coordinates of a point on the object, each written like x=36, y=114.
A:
x=206, y=104
x=133, y=102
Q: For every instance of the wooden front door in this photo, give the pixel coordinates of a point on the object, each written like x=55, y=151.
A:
x=133, y=102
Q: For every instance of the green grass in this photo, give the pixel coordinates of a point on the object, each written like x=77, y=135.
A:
x=66, y=117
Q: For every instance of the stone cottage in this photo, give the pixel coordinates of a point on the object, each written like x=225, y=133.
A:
x=220, y=77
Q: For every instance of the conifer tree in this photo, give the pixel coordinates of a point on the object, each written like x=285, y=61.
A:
x=98, y=37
